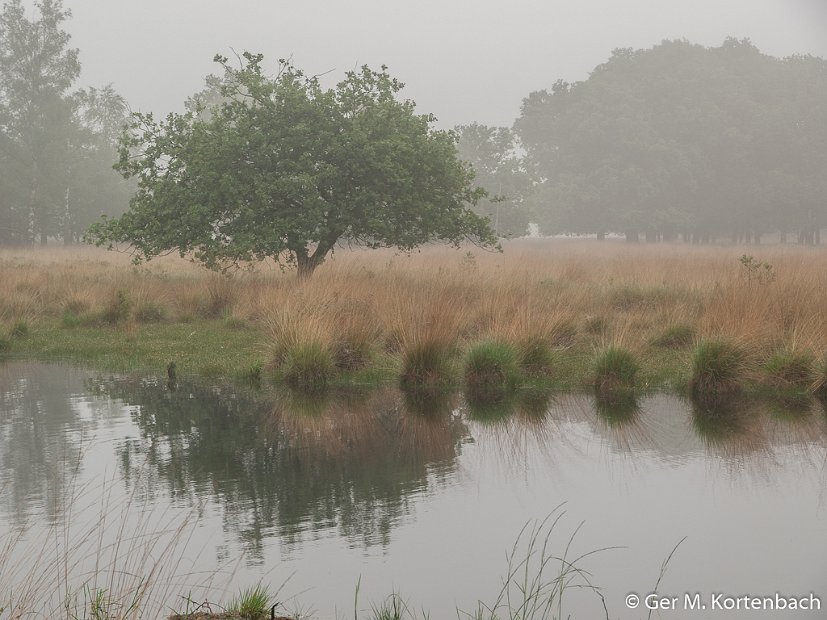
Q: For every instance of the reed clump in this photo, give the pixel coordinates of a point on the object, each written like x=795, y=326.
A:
x=615, y=370
x=491, y=366
x=718, y=370
x=790, y=369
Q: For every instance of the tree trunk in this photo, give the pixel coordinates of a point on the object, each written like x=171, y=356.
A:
x=306, y=265
x=632, y=236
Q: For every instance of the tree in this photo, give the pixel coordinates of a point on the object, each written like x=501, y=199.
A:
x=685, y=139
x=492, y=152
x=37, y=68
x=94, y=188
x=285, y=169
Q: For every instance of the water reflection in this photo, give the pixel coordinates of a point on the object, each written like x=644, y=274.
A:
x=352, y=465
x=287, y=465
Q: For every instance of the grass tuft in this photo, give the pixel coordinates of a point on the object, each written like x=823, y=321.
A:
x=790, y=369
x=308, y=366
x=718, y=369
x=150, y=312
x=676, y=336
x=534, y=357
x=117, y=310
x=491, y=366
x=819, y=385
x=615, y=369
x=252, y=603
x=19, y=330
x=426, y=365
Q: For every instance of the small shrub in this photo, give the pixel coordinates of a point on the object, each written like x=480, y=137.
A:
x=19, y=330
x=755, y=271
x=790, y=369
x=615, y=369
x=717, y=369
x=117, y=311
x=150, y=312
x=5, y=345
x=308, y=366
x=535, y=358
x=675, y=336
x=426, y=365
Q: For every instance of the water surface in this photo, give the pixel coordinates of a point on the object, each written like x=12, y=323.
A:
x=426, y=498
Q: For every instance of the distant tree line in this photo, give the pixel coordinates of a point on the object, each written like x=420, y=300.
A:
x=57, y=143
x=677, y=141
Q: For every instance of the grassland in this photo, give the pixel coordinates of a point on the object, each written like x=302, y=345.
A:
x=373, y=316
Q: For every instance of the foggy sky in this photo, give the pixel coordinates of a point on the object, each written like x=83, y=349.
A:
x=463, y=61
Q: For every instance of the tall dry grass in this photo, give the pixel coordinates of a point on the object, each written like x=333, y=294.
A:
x=105, y=556
x=362, y=303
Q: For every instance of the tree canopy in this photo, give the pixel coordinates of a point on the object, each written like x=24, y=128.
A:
x=56, y=150
x=281, y=167
x=493, y=154
x=684, y=139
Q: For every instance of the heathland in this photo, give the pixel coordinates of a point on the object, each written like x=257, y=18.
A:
x=551, y=312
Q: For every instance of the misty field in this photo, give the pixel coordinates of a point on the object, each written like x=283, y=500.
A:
x=369, y=314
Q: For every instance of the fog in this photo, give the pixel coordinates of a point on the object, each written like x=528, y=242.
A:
x=462, y=61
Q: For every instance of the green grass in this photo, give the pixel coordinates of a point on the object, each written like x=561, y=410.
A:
x=534, y=358
x=790, y=369
x=819, y=387
x=308, y=366
x=252, y=603
x=718, y=370
x=615, y=370
x=426, y=365
x=491, y=366
x=676, y=336
x=203, y=344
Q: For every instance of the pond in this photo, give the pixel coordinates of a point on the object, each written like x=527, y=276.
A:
x=425, y=498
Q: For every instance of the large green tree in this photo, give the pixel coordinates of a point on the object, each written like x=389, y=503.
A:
x=681, y=138
x=57, y=145
x=37, y=69
x=283, y=168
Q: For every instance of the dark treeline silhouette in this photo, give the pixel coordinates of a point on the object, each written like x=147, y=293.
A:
x=678, y=141
x=57, y=143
